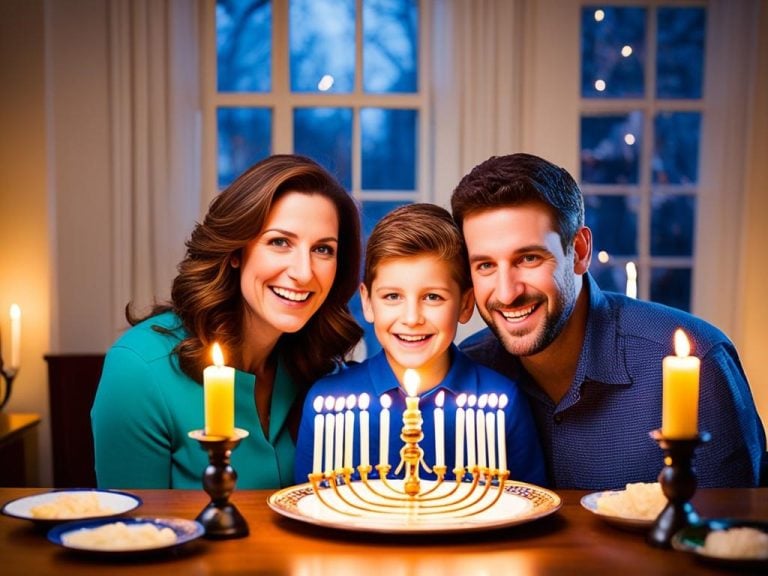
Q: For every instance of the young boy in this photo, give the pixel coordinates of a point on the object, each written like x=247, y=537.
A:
x=416, y=289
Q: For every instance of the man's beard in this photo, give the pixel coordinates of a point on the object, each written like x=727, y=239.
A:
x=541, y=337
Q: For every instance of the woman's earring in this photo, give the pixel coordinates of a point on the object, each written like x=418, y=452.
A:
x=234, y=261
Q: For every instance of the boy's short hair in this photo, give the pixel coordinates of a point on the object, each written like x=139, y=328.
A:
x=417, y=230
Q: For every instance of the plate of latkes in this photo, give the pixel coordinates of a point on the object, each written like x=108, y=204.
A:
x=627, y=521
x=57, y=506
x=125, y=536
x=727, y=543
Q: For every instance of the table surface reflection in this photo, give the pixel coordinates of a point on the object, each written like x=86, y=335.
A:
x=571, y=541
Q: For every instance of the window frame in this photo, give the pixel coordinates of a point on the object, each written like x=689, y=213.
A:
x=552, y=111
x=282, y=101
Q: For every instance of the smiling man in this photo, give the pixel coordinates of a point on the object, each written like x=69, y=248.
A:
x=590, y=362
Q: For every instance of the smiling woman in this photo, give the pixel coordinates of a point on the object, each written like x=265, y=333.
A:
x=267, y=275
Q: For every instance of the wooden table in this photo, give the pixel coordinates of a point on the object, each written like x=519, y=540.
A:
x=571, y=541
x=18, y=449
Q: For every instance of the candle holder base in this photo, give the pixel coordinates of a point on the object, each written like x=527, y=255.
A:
x=678, y=482
x=8, y=375
x=220, y=518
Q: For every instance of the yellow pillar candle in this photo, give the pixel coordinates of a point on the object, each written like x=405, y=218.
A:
x=680, y=406
x=219, y=392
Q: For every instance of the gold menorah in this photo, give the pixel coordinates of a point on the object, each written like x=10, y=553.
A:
x=410, y=496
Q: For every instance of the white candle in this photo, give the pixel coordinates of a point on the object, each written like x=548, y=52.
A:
x=349, y=430
x=439, y=429
x=461, y=400
x=631, y=280
x=330, y=423
x=680, y=408
x=480, y=414
x=490, y=430
x=339, y=440
x=363, y=402
x=15, y=312
x=386, y=402
x=219, y=396
x=501, y=427
x=471, y=459
x=317, y=451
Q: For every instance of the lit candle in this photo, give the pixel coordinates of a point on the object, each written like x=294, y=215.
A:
x=480, y=414
x=339, y=445
x=15, y=336
x=317, y=452
x=439, y=429
x=219, y=393
x=386, y=402
x=349, y=430
x=680, y=407
x=490, y=429
x=363, y=402
x=501, y=427
x=411, y=383
x=471, y=459
x=631, y=280
x=461, y=400
x=330, y=424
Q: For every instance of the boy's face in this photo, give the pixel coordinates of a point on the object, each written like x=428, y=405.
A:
x=415, y=306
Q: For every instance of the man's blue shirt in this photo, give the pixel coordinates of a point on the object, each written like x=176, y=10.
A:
x=596, y=437
x=375, y=377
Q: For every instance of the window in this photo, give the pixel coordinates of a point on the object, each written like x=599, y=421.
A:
x=337, y=80
x=641, y=110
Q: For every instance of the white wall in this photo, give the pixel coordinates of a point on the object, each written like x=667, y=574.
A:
x=25, y=273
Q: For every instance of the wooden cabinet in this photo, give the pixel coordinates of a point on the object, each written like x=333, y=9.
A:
x=18, y=449
x=72, y=383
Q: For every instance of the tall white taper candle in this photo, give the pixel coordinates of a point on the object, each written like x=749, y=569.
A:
x=317, y=452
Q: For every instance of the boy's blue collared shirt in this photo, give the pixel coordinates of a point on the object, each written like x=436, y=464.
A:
x=375, y=377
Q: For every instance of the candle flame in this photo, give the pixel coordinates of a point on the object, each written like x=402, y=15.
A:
x=440, y=399
x=364, y=401
x=503, y=401
x=482, y=401
x=493, y=400
x=218, y=356
x=318, y=404
x=385, y=401
x=461, y=400
x=15, y=312
x=351, y=401
x=472, y=400
x=339, y=404
x=411, y=382
x=330, y=402
x=682, y=346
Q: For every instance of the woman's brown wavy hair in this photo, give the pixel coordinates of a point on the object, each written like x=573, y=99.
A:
x=206, y=293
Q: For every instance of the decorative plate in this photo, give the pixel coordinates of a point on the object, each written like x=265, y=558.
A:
x=381, y=507
x=637, y=524
x=110, y=503
x=185, y=530
x=691, y=539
